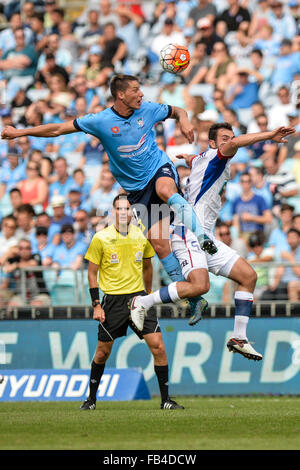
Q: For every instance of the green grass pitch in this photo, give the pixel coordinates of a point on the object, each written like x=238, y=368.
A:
x=206, y=423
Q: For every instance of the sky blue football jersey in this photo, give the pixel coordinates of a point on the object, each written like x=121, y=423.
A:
x=134, y=156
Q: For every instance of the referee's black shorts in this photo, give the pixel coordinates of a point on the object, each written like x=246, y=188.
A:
x=117, y=311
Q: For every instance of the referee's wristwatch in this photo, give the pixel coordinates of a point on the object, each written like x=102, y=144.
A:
x=96, y=302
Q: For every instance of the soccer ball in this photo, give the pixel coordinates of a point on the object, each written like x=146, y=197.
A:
x=174, y=58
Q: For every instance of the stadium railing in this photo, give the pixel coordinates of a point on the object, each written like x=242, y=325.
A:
x=64, y=293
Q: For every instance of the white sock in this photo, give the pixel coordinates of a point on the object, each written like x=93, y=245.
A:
x=162, y=296
x=240, y=326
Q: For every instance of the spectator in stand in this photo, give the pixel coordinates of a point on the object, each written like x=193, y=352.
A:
x=266, y=42
x=90, y=34
x=128, y=29
x=58, y=219
x=8, y=238
x=34, y=189
x=69, y=254
x=13, y=173
x=11, y=286
x=256, y=150
x=243, y=93
x=197, y=70
x=278, y=113
x=282, y=183
x=56, y=16
x=74, y=202
x=21, y=61
x=206, y=33
x=223, y=233
x=250, y=211
x=114, y=51
x=83, y=227
x=81, y=183
x=168, y=35
x=223, y=67
x=25, y=221
x=286, y=282
x=259, y=184
x=63, y=58
x=90, y=71
x=24, y=145
x=64, y=181
x=50, y=69
x=42, y=247
x=258, y=253
x=286, y=67
x=103, y=192
x=68, y=40
x=46, y=170
x=282, y=21
x=39, y=38
x=278, y=236
x=231, y=17
x=91, y=160
x=7, y=36
x=204, y=9
x=15, y=198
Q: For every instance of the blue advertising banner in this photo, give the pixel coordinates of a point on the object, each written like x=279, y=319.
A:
x=62, y=384
x=199, y=362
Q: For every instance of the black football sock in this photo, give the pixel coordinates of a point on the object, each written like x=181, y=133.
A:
x=95, y=377
x=162, y=373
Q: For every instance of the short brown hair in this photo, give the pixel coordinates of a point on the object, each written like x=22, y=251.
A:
x=121, y=82
x=213, y=130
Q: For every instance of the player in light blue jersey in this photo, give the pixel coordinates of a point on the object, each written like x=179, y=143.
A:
x=140, y=167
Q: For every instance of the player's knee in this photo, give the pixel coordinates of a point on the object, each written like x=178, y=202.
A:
x=252, y=278
x=158, y=350
x=101, y=356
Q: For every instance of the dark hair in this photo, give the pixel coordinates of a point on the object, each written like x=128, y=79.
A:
x=26, y=209
x=120, y=82
x=14, y=190
x=256, y=239
x=213, y=130
x=293, y=230
x=9, y=217
x=257, y=51
x=119, y=197
x=41, y=231
x=286, y=207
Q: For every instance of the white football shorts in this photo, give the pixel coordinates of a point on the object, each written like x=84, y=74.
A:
x=186, y=248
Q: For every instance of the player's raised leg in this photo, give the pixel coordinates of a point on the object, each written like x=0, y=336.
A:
x=159, y=237
x=166, y=189
x=246, y=277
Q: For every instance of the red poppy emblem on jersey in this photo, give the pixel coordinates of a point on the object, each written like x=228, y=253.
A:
x=115, y=129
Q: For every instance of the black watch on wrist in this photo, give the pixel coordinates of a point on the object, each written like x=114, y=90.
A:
x=96, y=302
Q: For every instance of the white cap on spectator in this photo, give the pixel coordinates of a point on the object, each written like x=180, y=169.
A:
x=209, y=115
x=204, y=23
x=57, y=201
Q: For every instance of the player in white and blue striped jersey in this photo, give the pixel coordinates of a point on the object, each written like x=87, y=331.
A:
x=209, y=174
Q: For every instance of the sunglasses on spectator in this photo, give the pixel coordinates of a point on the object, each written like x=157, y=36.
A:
x=23, y=247
x=35, y=168
x=80, y=219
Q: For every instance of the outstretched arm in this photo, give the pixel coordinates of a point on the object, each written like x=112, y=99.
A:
x=279, y=135
x=45, y=130
x=186, y=127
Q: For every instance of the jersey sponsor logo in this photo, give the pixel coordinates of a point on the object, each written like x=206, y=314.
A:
x=115, y=130
x=127, y=151
x=114, y=258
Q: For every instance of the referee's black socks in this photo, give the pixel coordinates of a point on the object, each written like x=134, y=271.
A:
x=95, y=377
x=162, y=373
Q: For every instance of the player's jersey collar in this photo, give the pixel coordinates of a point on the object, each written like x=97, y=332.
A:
x=120, y=115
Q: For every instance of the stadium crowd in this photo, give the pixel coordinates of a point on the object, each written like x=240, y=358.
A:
x=245, y=69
